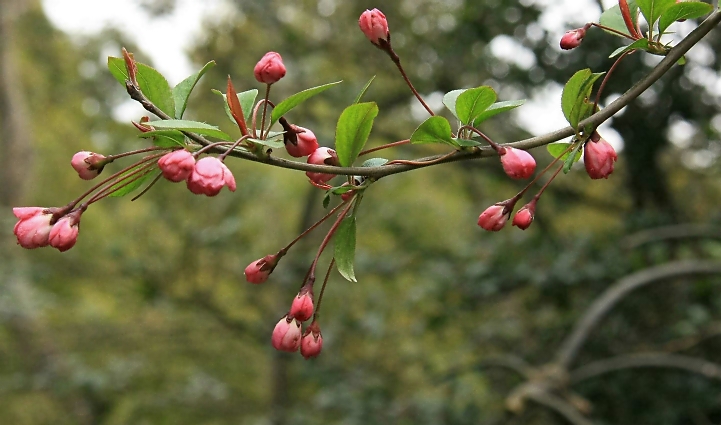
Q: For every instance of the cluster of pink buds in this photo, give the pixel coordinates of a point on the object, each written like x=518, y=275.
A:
x=39, y=227
x=204, y=177
x=288, y=336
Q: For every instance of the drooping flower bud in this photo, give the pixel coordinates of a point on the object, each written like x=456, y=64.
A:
x=374, y=25
x=88, y=164
x=64, y=233
x=598, y=157
x=177, y=165
x=322, y=156
x=517, y=163
x=493, y=218
x=269, y=68
x=286, y=335
x=524, y=216
x=572, y=39
x=312, y=342
x=302, y=306
x=306, y=142
x=209, y=176
x=33, y=227
x=258, y=271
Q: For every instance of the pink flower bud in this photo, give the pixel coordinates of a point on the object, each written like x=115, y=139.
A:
x=524, y=216
x=374, y=25
x=302, y=307
x=322, y=156
x=177, y=165
x=312, y=342
x=64, y=233
x=495, y=217
x=88, y=164
x=306, y=143
x=259, y=270
x=33, y=227
x=269, y=68
x=517, y=163
x=286, y=335
x=209, y=176
x=598, y=157
x=572, y=39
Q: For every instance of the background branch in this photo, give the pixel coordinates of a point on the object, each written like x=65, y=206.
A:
x=679, y=231
x=657, y=360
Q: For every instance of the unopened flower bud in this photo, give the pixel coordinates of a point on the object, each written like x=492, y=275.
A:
x=258, y=271
x=177, y=166
x=572, y=39
x=88, y=164
x=305, y=142
x=322, y=156
x=517, y=163
x=493, y=218
x=269, y=68
x=64, y=233
x=524, y=216
x=209, y=176
x=598, y=157
x=286, y=335
x=312, y=342
x=374, y=25
x=302, y=306
x=33, y=227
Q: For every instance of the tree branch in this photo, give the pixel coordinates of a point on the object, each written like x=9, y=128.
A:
x=379, y=172
x=541, y=395
x=657, y=360
x=603, y=304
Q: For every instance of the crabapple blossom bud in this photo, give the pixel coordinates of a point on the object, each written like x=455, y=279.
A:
x=269, y=68
x=88, y=164
x=302, y=307
x=517, y=163
x=312, y=342
x=322, y=156
x=524, y=216
x=259, y=270
x=64, y=233
x=209, y=176
x=177, y=165
x=374, y=25
x=598, y=157
x=493, y=218
x=286, y=335
x=33, y=227
x=306, y=143
x=572, y=39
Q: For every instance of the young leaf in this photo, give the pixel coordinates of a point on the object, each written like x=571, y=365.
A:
x=286, y=105
x=152, y=83
x=365, y=88
x=434, y=130
x=165, y=138
x=450, y=99
x=571, y=159
x=351, y=133
x=467, y=143
x=683, y=10
x=374, y=162
x=137, y=181
x=558, y=150
x=583, y=108
x=246, y=99
x=638, y=44
x=613, y=19
x=497, y=108
x=653, y=9
x=344, y=241
x=182, y=91
x=572, y=91
x=194, y=126
x=472, y=102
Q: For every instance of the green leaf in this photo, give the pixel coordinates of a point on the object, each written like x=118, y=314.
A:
x=638, y=44
x=613, y=19
x=465, y=143
x=351, y=133
x=165, y=138
x=135, y=184
x=472, y=102
x=182, y=91
x=450, y=98
x=246, y=99
x=152, y=83
x=117, y=69
x=374, y=162
x=583, y=108
x=194, y=126
x=365, y=88
x=571, y=159
x=557, y=151
x=572, y=90
x=497, y=108
x=653, y=9
x=683, y=10
x=344, y=241
x=286, y=105
x=434, y=130
x=275, y=144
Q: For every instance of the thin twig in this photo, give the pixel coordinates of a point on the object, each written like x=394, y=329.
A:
x=645, y=360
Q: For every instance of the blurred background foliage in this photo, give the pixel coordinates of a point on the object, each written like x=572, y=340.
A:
x=148, y=319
